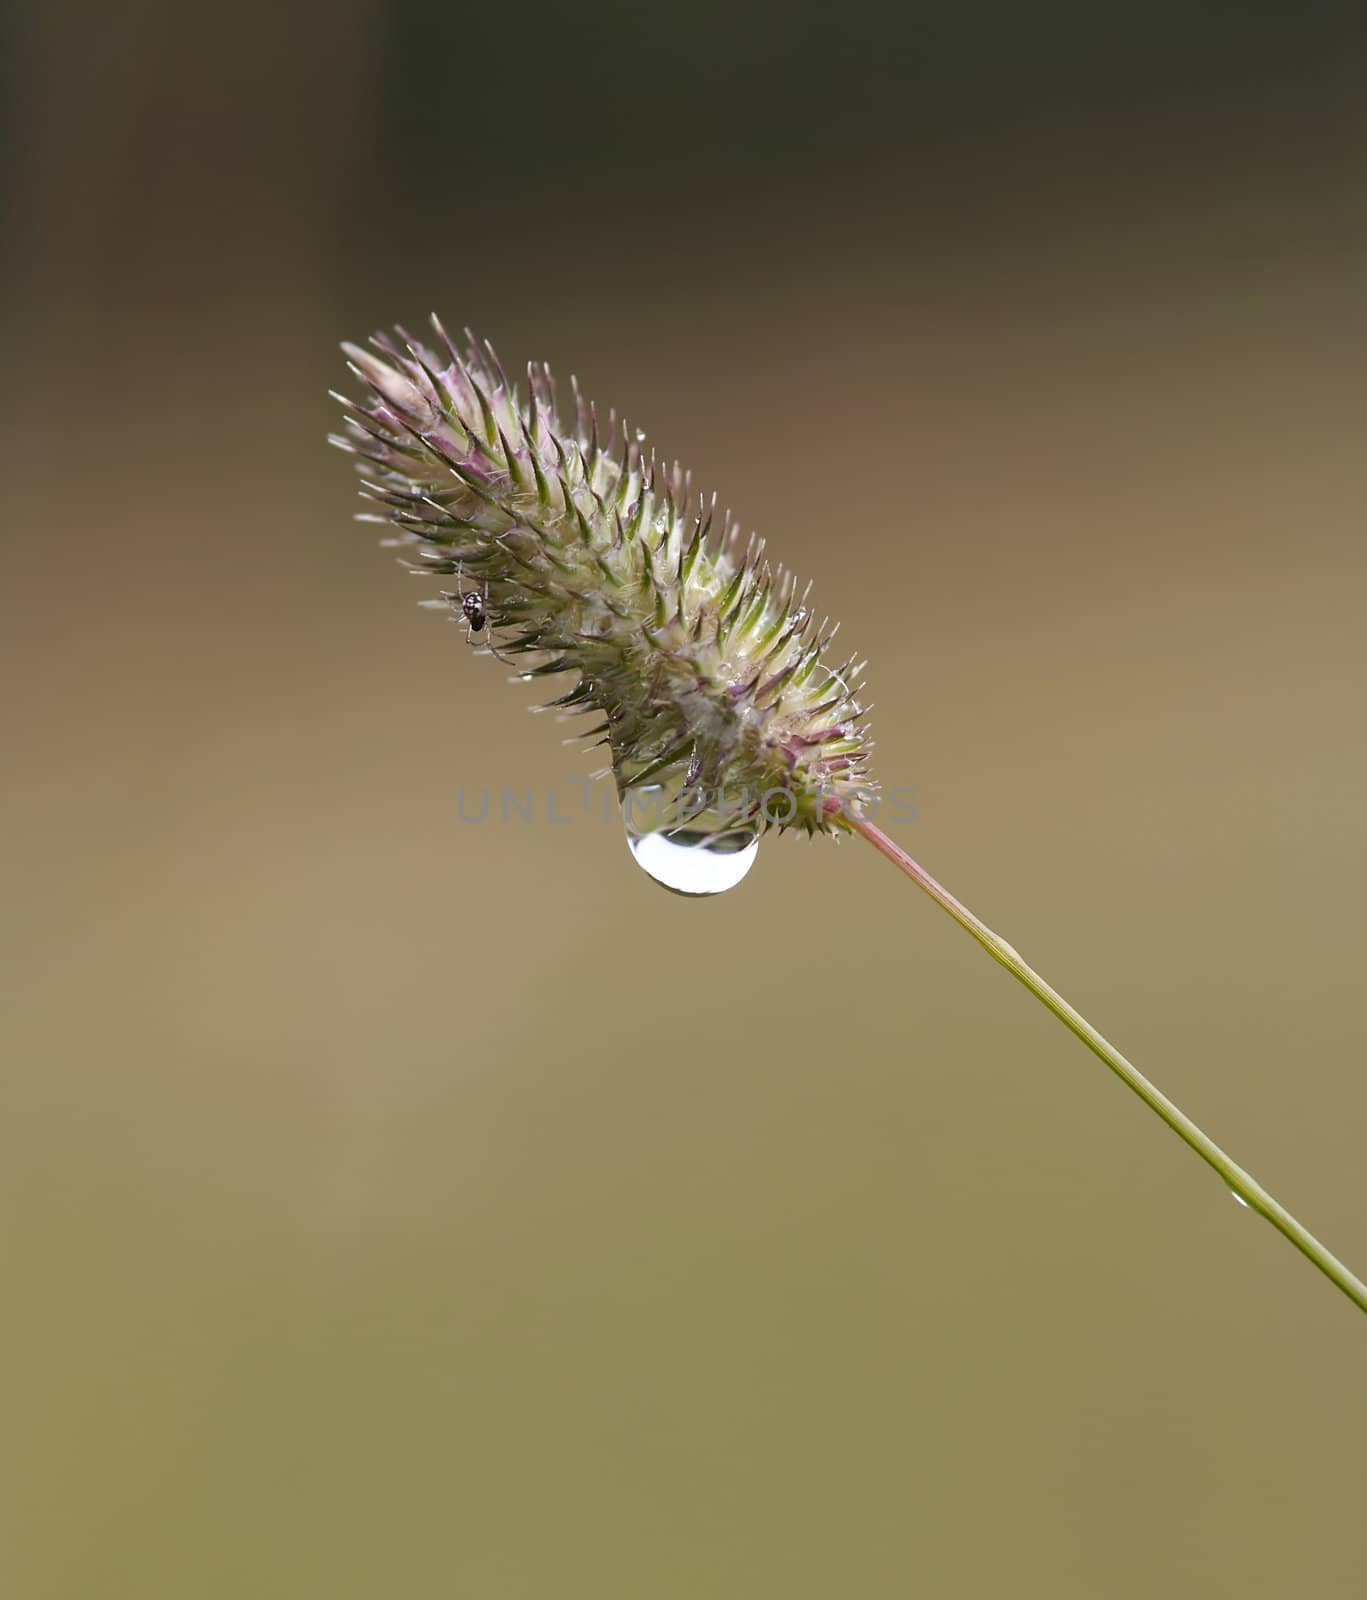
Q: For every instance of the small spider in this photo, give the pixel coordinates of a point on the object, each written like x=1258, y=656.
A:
x=472, y=605
x=473, y=608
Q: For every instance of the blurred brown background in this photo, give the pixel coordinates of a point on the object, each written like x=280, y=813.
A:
x=396, y=1207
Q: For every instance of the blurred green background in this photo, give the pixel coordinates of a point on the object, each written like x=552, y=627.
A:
x=390, y=1206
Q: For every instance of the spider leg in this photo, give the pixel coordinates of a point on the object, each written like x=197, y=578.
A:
x=497, y=654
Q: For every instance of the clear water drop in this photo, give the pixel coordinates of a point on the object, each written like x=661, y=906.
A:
x=1239, y=1200
x=695, y=855
x=690, y=863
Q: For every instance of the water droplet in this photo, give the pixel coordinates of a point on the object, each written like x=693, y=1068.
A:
x=690, y=863
x=689, y=854
x=1239, y=1200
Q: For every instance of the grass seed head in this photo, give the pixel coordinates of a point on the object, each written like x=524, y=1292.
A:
x=703, y=664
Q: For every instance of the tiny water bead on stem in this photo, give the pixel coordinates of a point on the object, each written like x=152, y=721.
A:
x=584, y=556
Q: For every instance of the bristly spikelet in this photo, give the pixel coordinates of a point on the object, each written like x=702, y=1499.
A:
x=703, y=660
